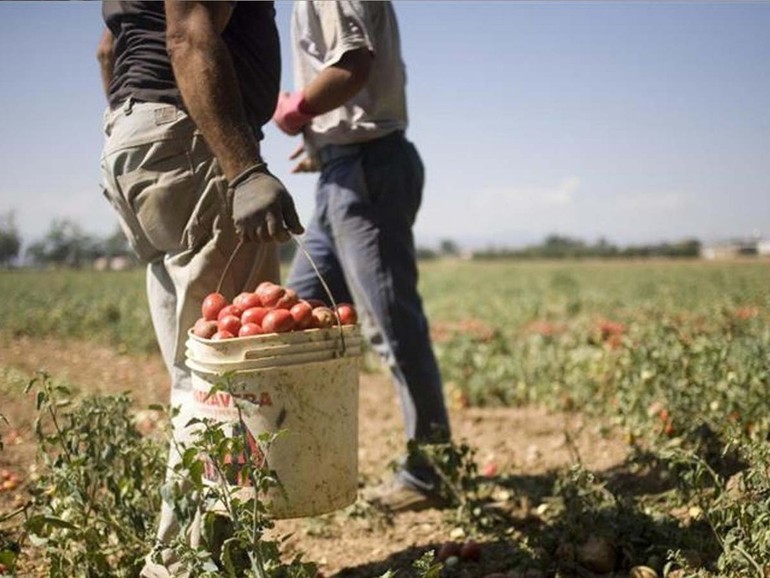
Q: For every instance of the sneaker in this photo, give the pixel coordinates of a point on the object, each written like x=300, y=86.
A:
x=398, y=496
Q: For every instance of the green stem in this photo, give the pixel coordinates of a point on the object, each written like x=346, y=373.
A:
x=757, y=567
x=257, y=563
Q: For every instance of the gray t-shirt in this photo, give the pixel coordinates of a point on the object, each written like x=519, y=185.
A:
x=143, y=69
x=321, y=33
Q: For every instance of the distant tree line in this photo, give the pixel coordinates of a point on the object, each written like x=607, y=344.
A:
x=10, y=242
x=563, y=247
x=64, y=244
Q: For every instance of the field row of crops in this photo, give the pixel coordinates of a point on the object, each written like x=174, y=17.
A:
x=673, y=356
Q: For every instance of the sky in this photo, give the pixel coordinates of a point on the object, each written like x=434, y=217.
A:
x=639, y=122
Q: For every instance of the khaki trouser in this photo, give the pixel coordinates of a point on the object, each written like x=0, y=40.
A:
x=173, y=205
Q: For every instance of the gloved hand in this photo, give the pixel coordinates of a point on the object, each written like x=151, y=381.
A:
x=291, y=112
x=263, y=209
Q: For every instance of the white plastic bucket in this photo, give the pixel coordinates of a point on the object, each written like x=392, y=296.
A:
x=242, y=348
x=311, y=396
x=270, y=359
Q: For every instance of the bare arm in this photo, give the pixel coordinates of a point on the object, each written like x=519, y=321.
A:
x=337, y=84
x=333, y=87
x=203, y=68
x=206, y=78
x=105, y=54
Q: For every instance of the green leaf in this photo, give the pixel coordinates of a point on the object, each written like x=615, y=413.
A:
x=58, y=523
x=40, y=400
x=189, y=457
x=229, y=547
x=7, y=557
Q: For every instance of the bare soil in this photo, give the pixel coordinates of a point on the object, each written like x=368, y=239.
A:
x=527, y=443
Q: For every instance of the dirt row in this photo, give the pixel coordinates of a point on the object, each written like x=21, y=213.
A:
x=528, y=442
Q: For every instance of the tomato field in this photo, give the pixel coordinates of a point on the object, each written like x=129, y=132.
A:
x=650, y=378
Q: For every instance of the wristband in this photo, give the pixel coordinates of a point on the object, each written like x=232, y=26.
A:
x=293, y=112
x=259, y=167
x=304, y=107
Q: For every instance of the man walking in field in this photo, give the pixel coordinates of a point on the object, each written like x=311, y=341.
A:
x=189, y=86
x=351, y=109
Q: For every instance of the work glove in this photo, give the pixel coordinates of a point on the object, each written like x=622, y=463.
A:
x=263, y=209
x=292, y=113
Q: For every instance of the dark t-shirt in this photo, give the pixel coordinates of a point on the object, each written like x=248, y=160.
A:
x=143, y=69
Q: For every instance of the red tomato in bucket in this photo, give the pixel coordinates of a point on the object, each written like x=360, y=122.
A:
x=205, y=328
x=278, y=321
x=254, y=315
x=323, y=317
x=219, y=335
x=246, y=301
x=212, y=305
x=288, y=300
x=248, y=329
x=271, y=295
x=230, y=323
x=262, y=287
x=229, y=310
x=302, y=313
x=347, y=313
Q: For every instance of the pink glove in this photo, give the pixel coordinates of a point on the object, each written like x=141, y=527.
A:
x=291, y=113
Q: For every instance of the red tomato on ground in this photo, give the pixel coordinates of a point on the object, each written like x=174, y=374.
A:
x=448, y=549
x=254, y=315
x=278, y=321
x=212, y=305
x=470, y=551
x=205, y=328
x=246, y=301
x=248, y=329
x=302, y=313
x=229, y=323
x=347, y=313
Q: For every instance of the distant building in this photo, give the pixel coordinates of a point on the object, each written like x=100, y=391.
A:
x=733, y=249
x=121, y=263
x=101, y=263
x=118, y=263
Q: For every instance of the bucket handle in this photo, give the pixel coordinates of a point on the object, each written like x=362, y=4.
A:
x=317, y=272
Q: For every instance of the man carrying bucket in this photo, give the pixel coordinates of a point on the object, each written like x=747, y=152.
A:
x=189, y=86
x=350, y=106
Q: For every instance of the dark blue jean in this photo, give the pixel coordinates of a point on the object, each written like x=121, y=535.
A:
x=360, y=237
